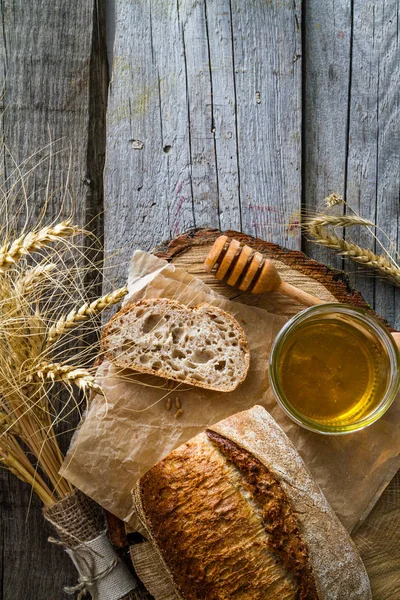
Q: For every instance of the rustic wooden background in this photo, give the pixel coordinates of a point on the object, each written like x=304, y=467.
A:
x=223, y=113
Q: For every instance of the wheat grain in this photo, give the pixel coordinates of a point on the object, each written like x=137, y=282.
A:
x=338, y=221
x=85, y=312
x=334, y=200
x=367, y=258
x=69, y=374
x=33, y=241
x=33, y=279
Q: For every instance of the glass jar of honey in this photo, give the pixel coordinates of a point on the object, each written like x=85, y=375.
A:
x=334, y=368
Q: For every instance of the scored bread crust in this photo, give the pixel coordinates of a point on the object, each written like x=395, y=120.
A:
x=191, y=506
x=337, y=566
x=209, y=537
x=240, y=341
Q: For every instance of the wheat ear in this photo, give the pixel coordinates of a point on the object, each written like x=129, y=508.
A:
x=67, y=374
x=29, y=282
x=338, y=221
x=32, y=241
x=369, y=259
x=85, y=312
x=334, y=200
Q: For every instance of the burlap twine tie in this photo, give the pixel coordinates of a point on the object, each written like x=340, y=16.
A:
x=80, y=525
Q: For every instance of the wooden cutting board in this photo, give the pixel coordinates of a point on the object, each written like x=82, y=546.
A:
x=377, y=538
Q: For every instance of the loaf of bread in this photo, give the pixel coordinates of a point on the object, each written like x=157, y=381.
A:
x=235, y=514
x=202, y=346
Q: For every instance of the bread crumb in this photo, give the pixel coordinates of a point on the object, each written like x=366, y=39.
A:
x=168, y=403
x=178, y=403
x=207, y=346
x=178, y=413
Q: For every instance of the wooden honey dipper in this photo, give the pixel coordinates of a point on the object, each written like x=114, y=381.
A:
x=240, y=266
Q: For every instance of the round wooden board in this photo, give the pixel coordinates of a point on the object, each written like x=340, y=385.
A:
x=377, y=538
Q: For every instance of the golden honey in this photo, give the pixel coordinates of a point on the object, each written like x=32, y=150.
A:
x=333, y=369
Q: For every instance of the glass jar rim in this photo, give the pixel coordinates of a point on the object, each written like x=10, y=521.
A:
x=379, y=330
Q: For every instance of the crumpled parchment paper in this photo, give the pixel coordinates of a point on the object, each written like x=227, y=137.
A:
x=128, y=430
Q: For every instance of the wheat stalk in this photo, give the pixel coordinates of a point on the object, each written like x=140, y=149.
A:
x=364, y=256
x=32, y=302
x=28, y=283
x=69, y=374
x=7, y=424
x=33, y=241
x=85, y=312
x=15, y=460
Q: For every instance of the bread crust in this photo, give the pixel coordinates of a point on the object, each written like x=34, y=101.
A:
x=242, y=340
x=210, y=538
x=337, y=565
x=279, y=520
x=201, y=515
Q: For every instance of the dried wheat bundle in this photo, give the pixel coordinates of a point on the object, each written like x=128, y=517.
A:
x=46, y=371
x=318, y=227
x=34, y=329
x=32, y=324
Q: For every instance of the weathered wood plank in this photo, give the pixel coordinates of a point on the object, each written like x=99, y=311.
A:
x=374, y=144
x=224, y=105
x=326, y=73
x=204, y=122
x=362, y=153
x=387, y=299
x=351, y=140
x=53, y=65
x=267, y=54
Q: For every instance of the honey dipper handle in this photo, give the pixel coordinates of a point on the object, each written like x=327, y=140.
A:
x=396, y=336
x=298, y=295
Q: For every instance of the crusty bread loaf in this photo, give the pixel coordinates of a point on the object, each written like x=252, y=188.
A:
x=235, y=514
x=202, y=346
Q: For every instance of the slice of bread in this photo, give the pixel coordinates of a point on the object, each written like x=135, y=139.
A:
x=203, y=346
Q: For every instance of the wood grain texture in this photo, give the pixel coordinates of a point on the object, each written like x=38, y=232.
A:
x=267, y=53
x=53, y=67
x=351, y=141
x=189, y=250
x=327, y=31
x=374, y=143
x=204, y=122
x=378, y=543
